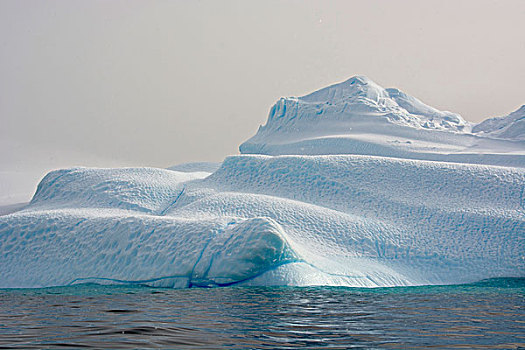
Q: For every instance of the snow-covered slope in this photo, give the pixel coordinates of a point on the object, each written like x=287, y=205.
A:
x=297, y=220
x=510, y=127
x=358, y=116
x=360, y=215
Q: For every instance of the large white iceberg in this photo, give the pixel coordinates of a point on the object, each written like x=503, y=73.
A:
x=354, y=185
x=358, y=116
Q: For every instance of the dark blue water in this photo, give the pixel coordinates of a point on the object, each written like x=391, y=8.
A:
x=488, y=314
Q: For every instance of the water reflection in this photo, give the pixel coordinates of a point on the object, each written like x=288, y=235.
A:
x=475, y=316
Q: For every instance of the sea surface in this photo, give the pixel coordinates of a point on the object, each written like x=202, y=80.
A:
x=487, y=314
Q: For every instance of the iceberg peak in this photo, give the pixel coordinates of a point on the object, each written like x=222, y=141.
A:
x=358, y=86
x=348, y=110
x=511, y=127
x=359, y=79
x=358, y=116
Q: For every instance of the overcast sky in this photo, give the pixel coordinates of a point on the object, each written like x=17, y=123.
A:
x=156, y=83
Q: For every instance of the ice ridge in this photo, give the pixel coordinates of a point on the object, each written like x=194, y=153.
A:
x=358, y=116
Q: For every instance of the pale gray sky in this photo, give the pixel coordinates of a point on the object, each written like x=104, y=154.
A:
x=116, y=83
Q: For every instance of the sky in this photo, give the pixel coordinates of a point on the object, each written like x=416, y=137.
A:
x=157, y=83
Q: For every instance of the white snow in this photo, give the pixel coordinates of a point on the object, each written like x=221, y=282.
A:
x=206, y=167
x=350, y=202
x=360, y=117
x=510, y=127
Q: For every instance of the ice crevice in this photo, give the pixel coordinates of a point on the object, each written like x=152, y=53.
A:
x=192, y=273
x=190, y=284
x=205, y=273
x=169, y=206
x=196, y=284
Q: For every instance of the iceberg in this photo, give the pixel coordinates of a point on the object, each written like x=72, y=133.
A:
x=510, y=127
x=352, y=185
x=358, y=116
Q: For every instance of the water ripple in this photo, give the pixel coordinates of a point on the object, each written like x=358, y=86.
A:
x=486, y=315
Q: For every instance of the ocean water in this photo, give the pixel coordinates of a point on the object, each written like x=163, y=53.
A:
x=488, y=314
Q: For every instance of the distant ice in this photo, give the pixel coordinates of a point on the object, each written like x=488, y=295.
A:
x=11, y=208
x=360, y=117
x=208, y=167
x=510, y=127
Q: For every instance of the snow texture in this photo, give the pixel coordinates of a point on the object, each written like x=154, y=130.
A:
x=510, y=127
x=381, y=217
x=358, y=116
